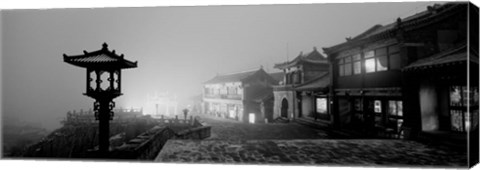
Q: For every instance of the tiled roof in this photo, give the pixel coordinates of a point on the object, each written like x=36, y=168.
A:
x=432, y=14
x=278, y=76
x=100, y=59
x=235, y=77
x=455, y=55
x=319, y=83
x=262, y=95
x=313, y=57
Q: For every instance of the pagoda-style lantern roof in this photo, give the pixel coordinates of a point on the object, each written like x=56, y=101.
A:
x=100, y=59
x=103, y=71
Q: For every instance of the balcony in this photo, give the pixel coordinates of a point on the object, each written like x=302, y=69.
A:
x=224, y=96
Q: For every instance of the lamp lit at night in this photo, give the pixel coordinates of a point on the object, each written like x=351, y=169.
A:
x=370, y=65
x=251, y=118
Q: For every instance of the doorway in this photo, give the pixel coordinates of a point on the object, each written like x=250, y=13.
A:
x=284, y=109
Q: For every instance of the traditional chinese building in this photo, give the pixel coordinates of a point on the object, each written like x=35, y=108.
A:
x=162, y=104
x=238, y=96
x=408, y=77
x=309, y=73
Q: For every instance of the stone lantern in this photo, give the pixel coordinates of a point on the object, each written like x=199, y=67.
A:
x=103, y=83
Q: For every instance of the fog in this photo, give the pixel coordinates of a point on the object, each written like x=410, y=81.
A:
x=177, y=48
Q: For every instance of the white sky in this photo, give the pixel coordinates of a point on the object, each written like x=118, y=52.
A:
x=177, y=48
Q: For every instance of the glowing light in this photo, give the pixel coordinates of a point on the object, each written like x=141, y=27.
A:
x=251, y=118
x=370, y=65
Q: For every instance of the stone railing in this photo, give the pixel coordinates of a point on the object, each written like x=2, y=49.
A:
x=201, y=132
x=147, y=145
x=176, y=120
x=224, y=96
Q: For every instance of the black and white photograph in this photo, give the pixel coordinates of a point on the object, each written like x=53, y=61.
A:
x=358, y=84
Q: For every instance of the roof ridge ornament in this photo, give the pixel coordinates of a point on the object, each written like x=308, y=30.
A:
x=399, y=21
x=105, y=46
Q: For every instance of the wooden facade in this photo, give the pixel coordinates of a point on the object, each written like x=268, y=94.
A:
x=398, y=80
x=236, y=96
x=310, y=72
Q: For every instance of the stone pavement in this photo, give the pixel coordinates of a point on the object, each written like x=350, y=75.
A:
x=312, y=152
x=233, y=142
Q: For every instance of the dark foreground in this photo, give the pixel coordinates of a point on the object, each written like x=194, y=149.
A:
x=312, y=152
x=237, y=143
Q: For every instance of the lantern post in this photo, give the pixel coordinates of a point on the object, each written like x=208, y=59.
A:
x=103, y=84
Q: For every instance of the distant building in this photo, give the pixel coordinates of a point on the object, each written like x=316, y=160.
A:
x=309, y=73
x=237, y=96
x=409, y=77
x=162, y=104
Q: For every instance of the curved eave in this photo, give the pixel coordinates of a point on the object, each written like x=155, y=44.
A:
x=119, y=64
x=106, y=65
x=346, y=45
x=298, y=62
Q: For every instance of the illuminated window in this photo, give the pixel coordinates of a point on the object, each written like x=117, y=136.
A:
x=460, y=120
x=381, y=63
x=395, y=108
x=381, y=60
x=357, y=64
x=395, y=116
x=251, y=118
x=370, y=65
x=322, y=105
x=377, y=109
x=378, y=106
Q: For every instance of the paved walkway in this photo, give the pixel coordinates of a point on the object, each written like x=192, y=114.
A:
x=238, y=143
x=312, y=152
x=225, y=129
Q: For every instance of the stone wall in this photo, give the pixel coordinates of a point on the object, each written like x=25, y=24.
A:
x=147, y=145
x=201, y=132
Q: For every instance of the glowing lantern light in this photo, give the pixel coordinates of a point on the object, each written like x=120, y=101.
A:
x=251, y=118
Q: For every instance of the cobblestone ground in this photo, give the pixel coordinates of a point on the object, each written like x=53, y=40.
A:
x=237, y=143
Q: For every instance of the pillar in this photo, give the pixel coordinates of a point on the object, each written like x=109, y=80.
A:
x=104, y=126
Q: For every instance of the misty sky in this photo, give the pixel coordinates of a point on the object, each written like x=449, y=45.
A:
x=177, y=48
